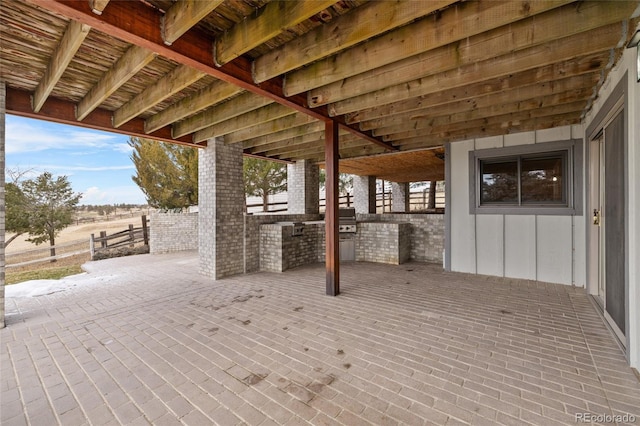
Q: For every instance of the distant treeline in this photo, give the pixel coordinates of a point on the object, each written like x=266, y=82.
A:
x=107, y=209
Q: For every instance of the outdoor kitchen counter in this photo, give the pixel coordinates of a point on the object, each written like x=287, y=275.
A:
x=280, y=249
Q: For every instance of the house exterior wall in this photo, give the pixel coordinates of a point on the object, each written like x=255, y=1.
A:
x=627, y=68
x=547, y=248
x=172, y=232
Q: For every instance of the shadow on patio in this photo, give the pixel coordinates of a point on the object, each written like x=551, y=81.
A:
x=146, y=340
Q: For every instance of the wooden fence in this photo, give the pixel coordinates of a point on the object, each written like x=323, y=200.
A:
x=418, y=201
x=43, y=254
x=127, y=238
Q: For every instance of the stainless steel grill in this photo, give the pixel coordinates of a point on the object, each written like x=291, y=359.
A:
x=347, y=230
x=347, y=221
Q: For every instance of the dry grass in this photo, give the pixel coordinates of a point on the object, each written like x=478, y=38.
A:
x=47, y=270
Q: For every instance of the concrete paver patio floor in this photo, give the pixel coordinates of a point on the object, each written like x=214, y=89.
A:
x=146, y=340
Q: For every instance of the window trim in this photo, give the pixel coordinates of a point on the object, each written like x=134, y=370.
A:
x=573, y=149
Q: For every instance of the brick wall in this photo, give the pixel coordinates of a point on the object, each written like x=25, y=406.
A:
x=252, y=234
x=426, y=233
x=383, y=242
x=172, y=232
x=400, y=197
x=364, y=194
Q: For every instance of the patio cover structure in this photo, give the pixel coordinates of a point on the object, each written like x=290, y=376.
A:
x=367, y=87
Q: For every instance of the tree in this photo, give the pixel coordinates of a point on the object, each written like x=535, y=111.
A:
x=48, y=207
x=16, y=219
x=166, y=173
x=262, y=178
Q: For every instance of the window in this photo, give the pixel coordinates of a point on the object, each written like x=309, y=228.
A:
x=528, y=179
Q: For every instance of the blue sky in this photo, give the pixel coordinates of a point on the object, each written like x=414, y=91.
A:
x=96, y=163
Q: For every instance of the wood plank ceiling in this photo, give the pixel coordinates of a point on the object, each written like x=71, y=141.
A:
x=400, y=78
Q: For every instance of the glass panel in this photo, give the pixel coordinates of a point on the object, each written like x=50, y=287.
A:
x=542, y=180
x=499, y=182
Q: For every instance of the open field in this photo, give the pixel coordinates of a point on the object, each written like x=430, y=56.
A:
x=74, y=233
x=65, y=266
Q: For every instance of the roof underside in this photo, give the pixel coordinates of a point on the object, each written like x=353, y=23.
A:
x=401, y=78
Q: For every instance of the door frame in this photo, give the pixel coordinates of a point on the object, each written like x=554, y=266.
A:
x=617, y=99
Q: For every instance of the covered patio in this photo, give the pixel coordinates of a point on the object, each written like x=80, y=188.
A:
x=148, y=340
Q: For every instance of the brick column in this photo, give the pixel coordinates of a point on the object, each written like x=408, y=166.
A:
x=399, y=197
x=3, y=97
x=303, y=186
x=364, y=194
x=221, y=209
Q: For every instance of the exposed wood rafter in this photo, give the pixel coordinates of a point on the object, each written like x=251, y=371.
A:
x=542, y=28
x=135, y=23
x=97, y=6
x=126, y=67
x=183, y=15
x=458, y=22
x=63, y=54
x=372, y=18
x=593, y=41
x=242, y=104
x=176, y=80
x=274, y=18
x=210, y=95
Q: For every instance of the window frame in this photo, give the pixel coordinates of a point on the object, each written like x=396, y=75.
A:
x=572, y=153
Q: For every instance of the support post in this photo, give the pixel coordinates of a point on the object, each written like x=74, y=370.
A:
x=3, y=97
x=332, y=258
x=145, y=230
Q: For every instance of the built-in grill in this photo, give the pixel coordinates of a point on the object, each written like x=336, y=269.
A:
x=347, y=220
x=347, y=230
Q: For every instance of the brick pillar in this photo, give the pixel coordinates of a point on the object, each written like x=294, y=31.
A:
x=221, y=209
x=364, y=194
x=399, y=197
x=303, y=186
x=3, y=97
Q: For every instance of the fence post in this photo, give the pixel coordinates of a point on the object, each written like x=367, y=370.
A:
x=92, y=245
x=145, y=230
x=131, y=236
x=103, y=239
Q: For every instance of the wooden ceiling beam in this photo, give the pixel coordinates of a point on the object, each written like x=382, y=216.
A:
x=479, y=118
x=303, y=139
x=271, y=20
x=64, y=112
x=213, y=94
x=291, y=133
x=361, y=151
x=183, y=15
x=458, y=22
x=317, y=145
x=261, y=115
x=505, y=121
x=133, y=60
x=136, y=23
x=97, y=6
x=270, y=127
x=180, y=77
x=463, y=111
x=565, y=75
x=235, y=107
x=420, y=142
x=594, y=41
x=344, y=31
x=543, y=28
x=64, y=52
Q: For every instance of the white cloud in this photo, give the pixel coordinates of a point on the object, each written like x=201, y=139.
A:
x=23, y=135
x=115, y=195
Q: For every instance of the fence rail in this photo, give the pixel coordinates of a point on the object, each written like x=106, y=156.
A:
x=417, y=201
x=129, y=237
x=42, y=254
